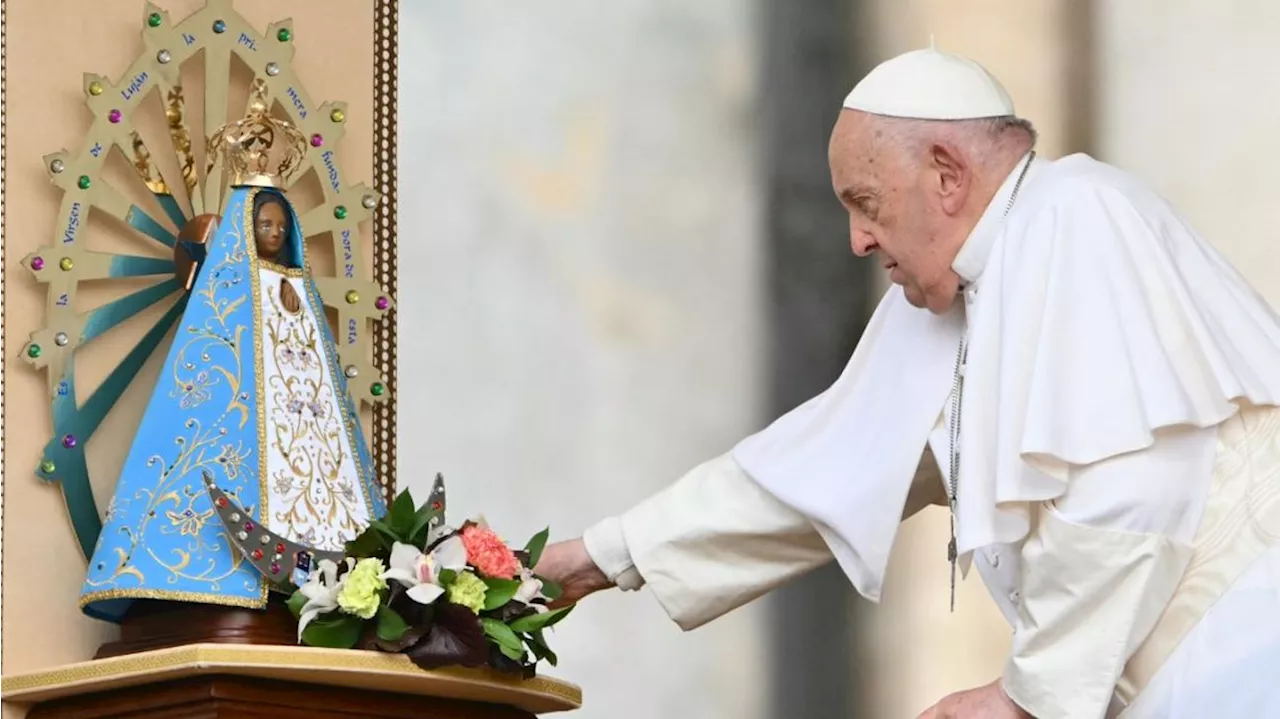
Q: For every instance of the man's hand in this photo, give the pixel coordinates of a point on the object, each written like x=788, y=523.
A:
x=568, y=564
x=989, y=702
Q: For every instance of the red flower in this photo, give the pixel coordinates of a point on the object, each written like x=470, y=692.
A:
x=489, y=554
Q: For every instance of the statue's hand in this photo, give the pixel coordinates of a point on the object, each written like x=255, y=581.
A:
x=289, y=297
x=568, y=564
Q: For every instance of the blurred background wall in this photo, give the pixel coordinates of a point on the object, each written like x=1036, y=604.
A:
x=620, y=254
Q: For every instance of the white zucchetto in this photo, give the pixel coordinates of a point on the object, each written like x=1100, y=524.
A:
x=930, y=85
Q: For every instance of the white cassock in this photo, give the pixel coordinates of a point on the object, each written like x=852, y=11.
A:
x=1119, y=461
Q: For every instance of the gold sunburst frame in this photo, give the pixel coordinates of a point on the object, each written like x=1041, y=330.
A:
x=374, y=351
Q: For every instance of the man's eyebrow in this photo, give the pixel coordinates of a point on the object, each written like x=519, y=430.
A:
x=852, y=192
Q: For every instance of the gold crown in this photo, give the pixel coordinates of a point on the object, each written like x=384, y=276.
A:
x=258, y=150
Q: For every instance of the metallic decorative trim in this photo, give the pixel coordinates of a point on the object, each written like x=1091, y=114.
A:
x=4, y=110
x=343, y=667
x=386, y=33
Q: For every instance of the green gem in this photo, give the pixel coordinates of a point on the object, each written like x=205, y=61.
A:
x=340, y=212
x=154, y=19
x=352, y=297
x=48, y=466
x=66, y=263
x=84, y=182
x=376, y=389
x=33, y=351
x=95, y=88
x=337, y=116
x=284, y=35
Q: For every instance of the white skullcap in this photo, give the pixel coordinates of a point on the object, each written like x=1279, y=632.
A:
x=930, y=85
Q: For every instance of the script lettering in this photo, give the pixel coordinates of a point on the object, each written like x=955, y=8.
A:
x=189, y=38
x=69, y=235
x=247, y=42
x=351, y=331
x=334, y=181
x=135, y=87
x=63, y=388
x=63, y=300
x=348, y=254
x=96, y=149
x=297, y=102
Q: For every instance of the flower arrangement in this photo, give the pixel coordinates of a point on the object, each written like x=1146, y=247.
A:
x=442, y=596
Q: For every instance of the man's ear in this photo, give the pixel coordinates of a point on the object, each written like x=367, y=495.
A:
x=954, y=176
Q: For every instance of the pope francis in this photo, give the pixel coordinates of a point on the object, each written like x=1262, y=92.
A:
x=1084, y=381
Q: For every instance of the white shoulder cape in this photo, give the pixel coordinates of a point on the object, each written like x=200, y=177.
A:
x=1100, y=318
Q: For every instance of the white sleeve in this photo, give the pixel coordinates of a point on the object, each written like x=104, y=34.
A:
x=1099, y=569
x=709, y=543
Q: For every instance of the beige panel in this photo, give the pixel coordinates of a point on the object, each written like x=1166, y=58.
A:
x=50, y=44
x=924, y=651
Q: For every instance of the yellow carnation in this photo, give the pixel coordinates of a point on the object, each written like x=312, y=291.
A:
x=468, y=590
x=359, y=593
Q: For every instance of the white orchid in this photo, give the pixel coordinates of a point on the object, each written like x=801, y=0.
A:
x=419, y=573
x=321, y=590
x=530, y=589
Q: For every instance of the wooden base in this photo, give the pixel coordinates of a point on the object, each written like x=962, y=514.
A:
x=228, y=697
x=151, y=624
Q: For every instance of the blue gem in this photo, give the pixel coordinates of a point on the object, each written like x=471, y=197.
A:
x=219, y=26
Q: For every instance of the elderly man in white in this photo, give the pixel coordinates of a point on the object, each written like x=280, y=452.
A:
x=1084, y=381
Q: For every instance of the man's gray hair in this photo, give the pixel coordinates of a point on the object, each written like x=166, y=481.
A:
x=998, y=126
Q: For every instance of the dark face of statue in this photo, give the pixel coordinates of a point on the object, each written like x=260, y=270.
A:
x=269, y=227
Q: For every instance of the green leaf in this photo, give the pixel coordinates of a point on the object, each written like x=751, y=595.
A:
x=369, y=543
x=296, y=602
x=500, y=592
x=391, y=626
x=536, y=622
x=508, y=642
x=538, y=645
x=341, y=632
x=402, y=515
x=446, y=577
x=536, y=545
x=551, y=590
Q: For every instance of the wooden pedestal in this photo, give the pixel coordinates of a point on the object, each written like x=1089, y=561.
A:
x=213, y=681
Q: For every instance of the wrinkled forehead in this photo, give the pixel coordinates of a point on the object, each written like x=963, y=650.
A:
x=856, y=149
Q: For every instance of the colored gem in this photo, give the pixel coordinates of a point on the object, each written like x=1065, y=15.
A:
x=437, y=505
x=154, y=19
x=69, y=441
x=61, y=339
x=48, y=466
x=57, y=166
x=164, y=57
x=273, y=69
x=235, y=517
x=340, y=212
x=317, y=140
x=275, y=567
x=369, y=202
x=66, y=264
x=257, y=554
x=222, y=502
x=219, y=26
x=376, y=389
x=242, y=536
x=352, y=297
x=381, y=303
x=280, y=548
x=284, y=34
x=351, y=371
x=248, y=526
x=37, y=263
x=337, y=116
x=95, y=88
x=114, y=116
x=84, y=182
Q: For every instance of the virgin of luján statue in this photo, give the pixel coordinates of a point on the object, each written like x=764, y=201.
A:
x=250, y=399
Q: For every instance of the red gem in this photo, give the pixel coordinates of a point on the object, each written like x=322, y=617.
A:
x=275, y=567
x=257, y=554
x=248, y=526
x=280, y=548
x=222, y=502
x=436, y=505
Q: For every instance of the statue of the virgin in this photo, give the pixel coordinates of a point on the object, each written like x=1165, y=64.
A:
x=251, y=395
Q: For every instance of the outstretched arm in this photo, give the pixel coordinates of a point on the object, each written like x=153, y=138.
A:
x=709, y=543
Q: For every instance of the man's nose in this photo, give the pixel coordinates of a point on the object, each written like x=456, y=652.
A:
x=862, y=242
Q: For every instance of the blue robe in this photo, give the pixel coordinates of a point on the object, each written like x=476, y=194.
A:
x=253, y=394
